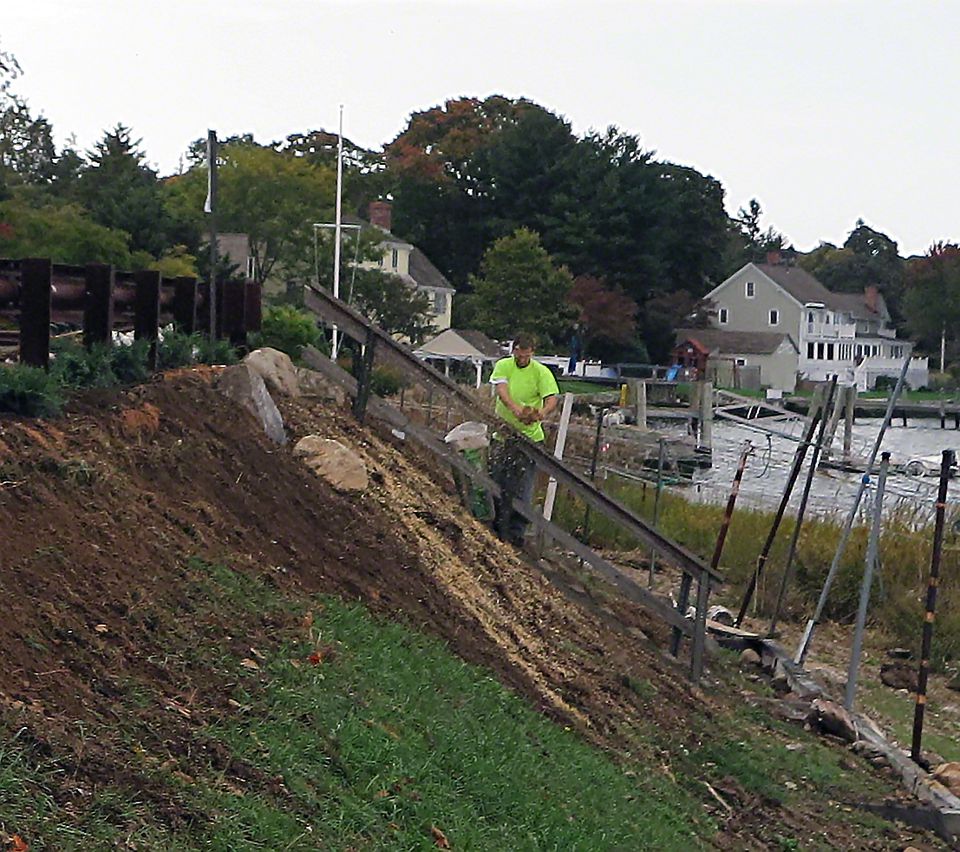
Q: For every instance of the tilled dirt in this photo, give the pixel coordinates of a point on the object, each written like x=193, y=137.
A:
x=102, y=508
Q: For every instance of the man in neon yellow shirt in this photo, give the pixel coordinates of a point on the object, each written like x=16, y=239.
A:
x=526, y=394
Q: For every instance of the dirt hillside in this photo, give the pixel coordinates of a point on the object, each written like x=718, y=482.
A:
x=103, y=509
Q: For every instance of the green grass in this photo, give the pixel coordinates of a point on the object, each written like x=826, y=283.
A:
x=386, y=738
x=579, y=387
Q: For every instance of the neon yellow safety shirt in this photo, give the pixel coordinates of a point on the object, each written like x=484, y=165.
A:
x=528, y=385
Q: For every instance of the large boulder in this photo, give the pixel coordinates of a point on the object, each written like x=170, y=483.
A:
x=243, y=385
x=337, y=464
x=276, y=369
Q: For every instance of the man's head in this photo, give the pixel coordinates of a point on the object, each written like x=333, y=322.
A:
x=523, y=347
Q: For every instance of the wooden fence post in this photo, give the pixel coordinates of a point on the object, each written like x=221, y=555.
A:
x=253, y=314
x=146, y=320
x=35, y=279
x=98, y=305
x=185, y=304
x=364, y=377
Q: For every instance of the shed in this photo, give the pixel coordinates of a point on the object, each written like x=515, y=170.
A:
x=730, y=356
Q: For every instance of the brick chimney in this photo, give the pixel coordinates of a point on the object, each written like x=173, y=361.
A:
x=773, y=258
x=871, y=297
x=379, y=214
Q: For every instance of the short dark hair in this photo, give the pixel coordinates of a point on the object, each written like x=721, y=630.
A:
x=525, y=340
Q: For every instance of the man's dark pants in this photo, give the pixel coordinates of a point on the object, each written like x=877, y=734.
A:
x=516, y=474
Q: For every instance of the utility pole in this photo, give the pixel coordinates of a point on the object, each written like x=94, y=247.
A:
x=210, y=208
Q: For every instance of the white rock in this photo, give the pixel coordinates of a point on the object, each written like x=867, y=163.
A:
x=834, y=719
x=276, y=369
x=243, y=385
x=948, y=774
x=337, y=464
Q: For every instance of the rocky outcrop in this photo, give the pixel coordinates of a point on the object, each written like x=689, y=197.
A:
x=276, y=369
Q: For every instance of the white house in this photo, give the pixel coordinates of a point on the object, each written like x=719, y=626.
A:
x=847, y=334
x=406, y=261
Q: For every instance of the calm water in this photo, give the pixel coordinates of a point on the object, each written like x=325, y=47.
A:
x=832, y=491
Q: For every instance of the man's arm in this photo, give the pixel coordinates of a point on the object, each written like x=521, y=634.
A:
x=503, y=392
x=549, y=406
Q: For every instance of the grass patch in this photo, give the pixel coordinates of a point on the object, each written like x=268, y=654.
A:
x=355, y=733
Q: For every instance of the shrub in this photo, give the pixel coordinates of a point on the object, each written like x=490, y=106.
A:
x=29, y=391
x=75, y=367
x=177, y=350
x=214, y=351
x=288, y=329
x=386, y=381
x=129, y=363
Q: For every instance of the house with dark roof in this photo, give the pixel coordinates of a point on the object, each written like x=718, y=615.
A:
x=406, y=261
x=739, y=359
x=843, y=334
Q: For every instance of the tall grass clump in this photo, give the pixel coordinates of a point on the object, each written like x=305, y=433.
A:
x=898, y=592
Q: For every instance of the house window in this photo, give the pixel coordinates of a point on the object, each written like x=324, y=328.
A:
x=724, y=316
x=751, y=290
x=439, y=302
x=810, y=351
x=819, y=351
x=774, y=317
x=393, y=258
x=826, y=319
x=251, y=267
x=740, y=362
x=830, y=351
x=809, y=316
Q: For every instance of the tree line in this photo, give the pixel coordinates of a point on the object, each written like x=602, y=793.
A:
x=535, y=226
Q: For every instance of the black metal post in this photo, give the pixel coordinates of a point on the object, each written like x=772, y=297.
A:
x=185, y=304
x=98, y=305
x=36, y=276
x=146, y=320
x=946, y=463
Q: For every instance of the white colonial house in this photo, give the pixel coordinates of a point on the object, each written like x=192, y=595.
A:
x=406, y=261
x=843, y=334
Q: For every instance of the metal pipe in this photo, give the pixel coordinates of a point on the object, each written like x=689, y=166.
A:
x=717, y=549
x=802, y=509
x=656, y=507
x=868, y=569
x=807, y=638
x=946, y=464
x=798, y=457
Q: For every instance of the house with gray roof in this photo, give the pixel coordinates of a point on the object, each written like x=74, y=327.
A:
x=739, y=359
x=843, y=334
x=406, y=261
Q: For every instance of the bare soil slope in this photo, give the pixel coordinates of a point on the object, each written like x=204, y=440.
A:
x=102, y=509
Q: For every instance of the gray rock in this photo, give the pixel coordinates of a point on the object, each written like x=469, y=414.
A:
x=276, y=369
x=899, y=676
x=243, y=385
x=316, y=384
x=749, y=659
x=337, y=464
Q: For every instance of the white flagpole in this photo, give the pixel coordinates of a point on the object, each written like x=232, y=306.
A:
x=336, y=233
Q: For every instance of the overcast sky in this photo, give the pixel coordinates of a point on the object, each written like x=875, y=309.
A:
x=825, y=111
